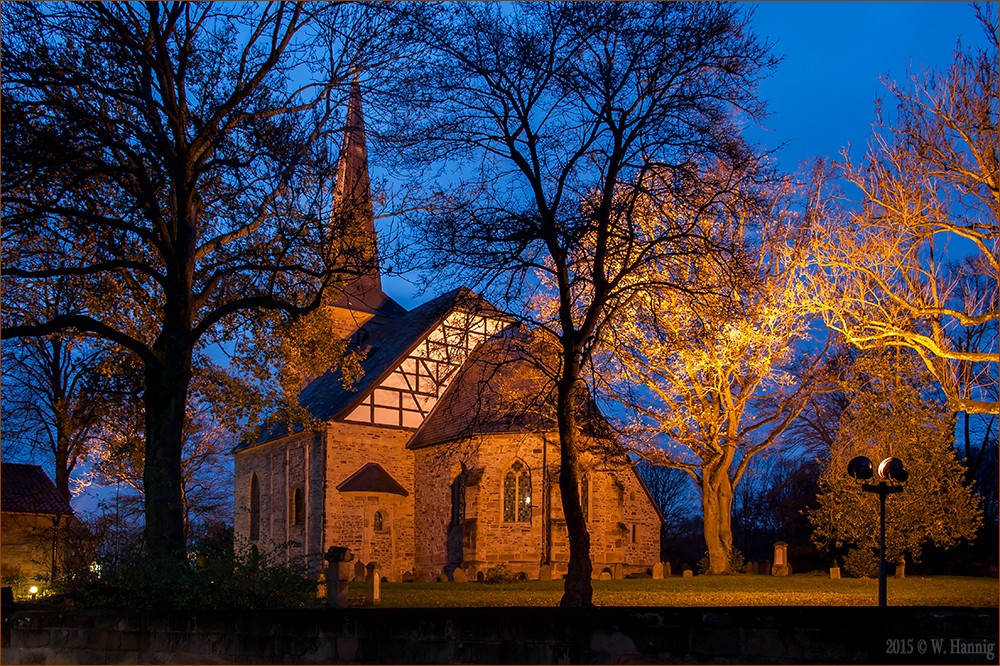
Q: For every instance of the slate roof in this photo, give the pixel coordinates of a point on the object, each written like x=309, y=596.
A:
x=26, y=489
x=503, y=388
x=387, y=342
x=372, y=478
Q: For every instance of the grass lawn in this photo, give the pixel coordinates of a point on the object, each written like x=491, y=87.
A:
x=795, y=590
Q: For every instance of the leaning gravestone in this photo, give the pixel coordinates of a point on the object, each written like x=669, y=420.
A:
x=658, y=571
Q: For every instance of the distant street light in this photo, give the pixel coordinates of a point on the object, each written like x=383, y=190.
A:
x=889, y=470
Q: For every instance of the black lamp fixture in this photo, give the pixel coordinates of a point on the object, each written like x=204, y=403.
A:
x=892, y=475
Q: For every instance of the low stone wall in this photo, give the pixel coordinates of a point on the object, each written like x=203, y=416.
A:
x=507, y=635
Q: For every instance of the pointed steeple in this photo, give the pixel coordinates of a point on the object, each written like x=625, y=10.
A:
x=352, y=215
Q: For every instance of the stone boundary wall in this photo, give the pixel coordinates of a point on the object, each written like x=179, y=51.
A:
x=743, y=635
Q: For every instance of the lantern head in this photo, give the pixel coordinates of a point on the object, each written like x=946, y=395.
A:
x=860, y=468
x=891, y=469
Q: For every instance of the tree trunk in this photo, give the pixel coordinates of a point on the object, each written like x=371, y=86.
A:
x=165, y=399
x=717, y=504
x=577, y=588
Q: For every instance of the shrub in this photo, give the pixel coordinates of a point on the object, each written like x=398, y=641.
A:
x=861, y=563
x=499, y=574
x=736, y=562
x=241, y=580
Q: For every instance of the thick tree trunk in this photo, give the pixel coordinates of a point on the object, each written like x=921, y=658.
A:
x=165, y=400
x=717, y=504
x=577, y=588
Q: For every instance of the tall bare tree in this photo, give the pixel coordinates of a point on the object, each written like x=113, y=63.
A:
x=546, y=118
x=174, y=160
x=930, y=190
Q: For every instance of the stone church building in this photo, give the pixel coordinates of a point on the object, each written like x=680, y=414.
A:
x=444, y=454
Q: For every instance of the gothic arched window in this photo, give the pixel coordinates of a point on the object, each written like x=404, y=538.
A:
x=378, y=522
x=517, y=493
x=298, y=506
x=254, y=507
x=585, y=497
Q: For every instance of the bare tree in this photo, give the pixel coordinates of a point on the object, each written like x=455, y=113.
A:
x=930, y=187
x=174, y=160
x=54, y=394
x=546, y=119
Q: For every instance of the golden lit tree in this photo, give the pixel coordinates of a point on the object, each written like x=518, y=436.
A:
x=718, y=365
x=892, y=412
x=930, y=192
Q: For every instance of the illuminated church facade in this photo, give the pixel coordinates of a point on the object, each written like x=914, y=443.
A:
x=444, y=454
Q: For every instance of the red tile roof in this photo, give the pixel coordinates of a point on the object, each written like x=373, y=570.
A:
x=26, y=489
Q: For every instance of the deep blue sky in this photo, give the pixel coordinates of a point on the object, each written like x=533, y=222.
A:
x=822, y=95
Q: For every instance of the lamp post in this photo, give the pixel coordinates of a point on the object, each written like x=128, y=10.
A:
x=889, y=470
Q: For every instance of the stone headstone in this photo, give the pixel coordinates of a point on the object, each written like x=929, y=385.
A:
x=359, y=571
x=901, y=568
x=618, y=572
x=765, y=568
x=751, y=568
x=666, y=570
x=658, y=571
x=480, y=576
x=781, y=566
x=688, y=573
x=545, y=572
x=834, y=573
x=373, y=585
x=339, y=572
x=458, y=575
x=605, y=575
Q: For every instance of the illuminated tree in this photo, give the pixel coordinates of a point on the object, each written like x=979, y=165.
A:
x=930, y=187
x=716, y=366
x=891, y=412
x=532, y=109
x=173, y=159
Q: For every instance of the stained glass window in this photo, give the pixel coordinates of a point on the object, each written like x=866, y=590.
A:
x=517, y=494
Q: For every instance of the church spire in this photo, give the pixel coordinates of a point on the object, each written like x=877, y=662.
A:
x=353, y=214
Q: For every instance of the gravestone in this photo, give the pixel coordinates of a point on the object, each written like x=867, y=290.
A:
x=373, y=585
x=751, y=568
x=339, y=572
x=658, y=571
x=359, y=571
x=605, y=575
x=834, y=573
x=666, y=570
x=618, y=572
x=407, y=576
x=765, y=568
x=688, y=573
x=901, y=568
x=458, y=575
x=781, y=567
x=545, y=572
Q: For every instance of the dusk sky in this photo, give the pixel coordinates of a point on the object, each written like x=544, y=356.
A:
x=821, y=97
